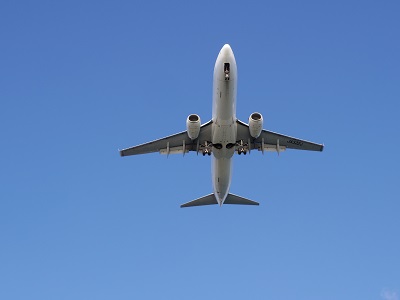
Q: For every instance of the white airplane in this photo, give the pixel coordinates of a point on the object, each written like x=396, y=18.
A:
x=223, y=136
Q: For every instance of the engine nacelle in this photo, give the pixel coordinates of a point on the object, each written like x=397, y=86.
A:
x=193, y=124
x=255, y=124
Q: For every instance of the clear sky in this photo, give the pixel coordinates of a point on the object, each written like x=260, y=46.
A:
x=81, y=79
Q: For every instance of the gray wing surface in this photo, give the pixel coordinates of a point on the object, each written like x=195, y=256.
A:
x=271, y=140
x=235, y=199
x=206, y=200
x=176, y=143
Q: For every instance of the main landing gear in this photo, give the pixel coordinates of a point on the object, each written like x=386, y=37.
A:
x=242, y=147
x=207, y=149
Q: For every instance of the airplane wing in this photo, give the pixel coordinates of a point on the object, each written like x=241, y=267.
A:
x=272, y=141
x=173, y=144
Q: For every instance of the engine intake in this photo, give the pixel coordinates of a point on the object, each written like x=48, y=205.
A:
x=193, y=124
x=255, y=124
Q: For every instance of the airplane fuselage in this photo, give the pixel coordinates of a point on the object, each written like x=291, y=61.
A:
x=224, y=127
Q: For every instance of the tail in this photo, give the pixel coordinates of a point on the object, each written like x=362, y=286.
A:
x=210, y=199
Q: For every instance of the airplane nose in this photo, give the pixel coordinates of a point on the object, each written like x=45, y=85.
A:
x=227, y=47
x=226, y=50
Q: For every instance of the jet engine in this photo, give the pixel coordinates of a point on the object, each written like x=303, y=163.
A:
x=193, y=126
x=255, y=124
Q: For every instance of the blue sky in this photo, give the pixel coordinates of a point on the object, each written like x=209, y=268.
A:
x=80, y=79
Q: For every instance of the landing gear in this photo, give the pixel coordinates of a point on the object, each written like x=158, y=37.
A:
x=241, y=147
x=206, y=152
x=207, y=148
x=240, y=151
x=227, y=70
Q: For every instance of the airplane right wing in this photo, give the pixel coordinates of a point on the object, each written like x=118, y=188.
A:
x=173, y=144
x=272, y=141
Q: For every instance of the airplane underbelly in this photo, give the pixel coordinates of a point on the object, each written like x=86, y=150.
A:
x=224, y=99
x=224, y=139
x=222, y=168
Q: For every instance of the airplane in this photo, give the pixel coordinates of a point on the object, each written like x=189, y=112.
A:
x=223, y=136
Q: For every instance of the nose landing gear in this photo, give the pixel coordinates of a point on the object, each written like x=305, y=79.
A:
x=227, y=70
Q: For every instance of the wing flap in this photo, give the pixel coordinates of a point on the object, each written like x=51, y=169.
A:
x=175, y=150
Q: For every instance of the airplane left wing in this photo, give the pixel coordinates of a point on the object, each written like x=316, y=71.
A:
x=272, y=141
x=173, y=144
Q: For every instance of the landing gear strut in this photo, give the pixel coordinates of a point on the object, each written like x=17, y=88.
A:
x=241, y=147
x=207, y=148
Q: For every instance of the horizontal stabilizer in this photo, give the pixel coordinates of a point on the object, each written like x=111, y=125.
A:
x=206, y=200
x=234, y=199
